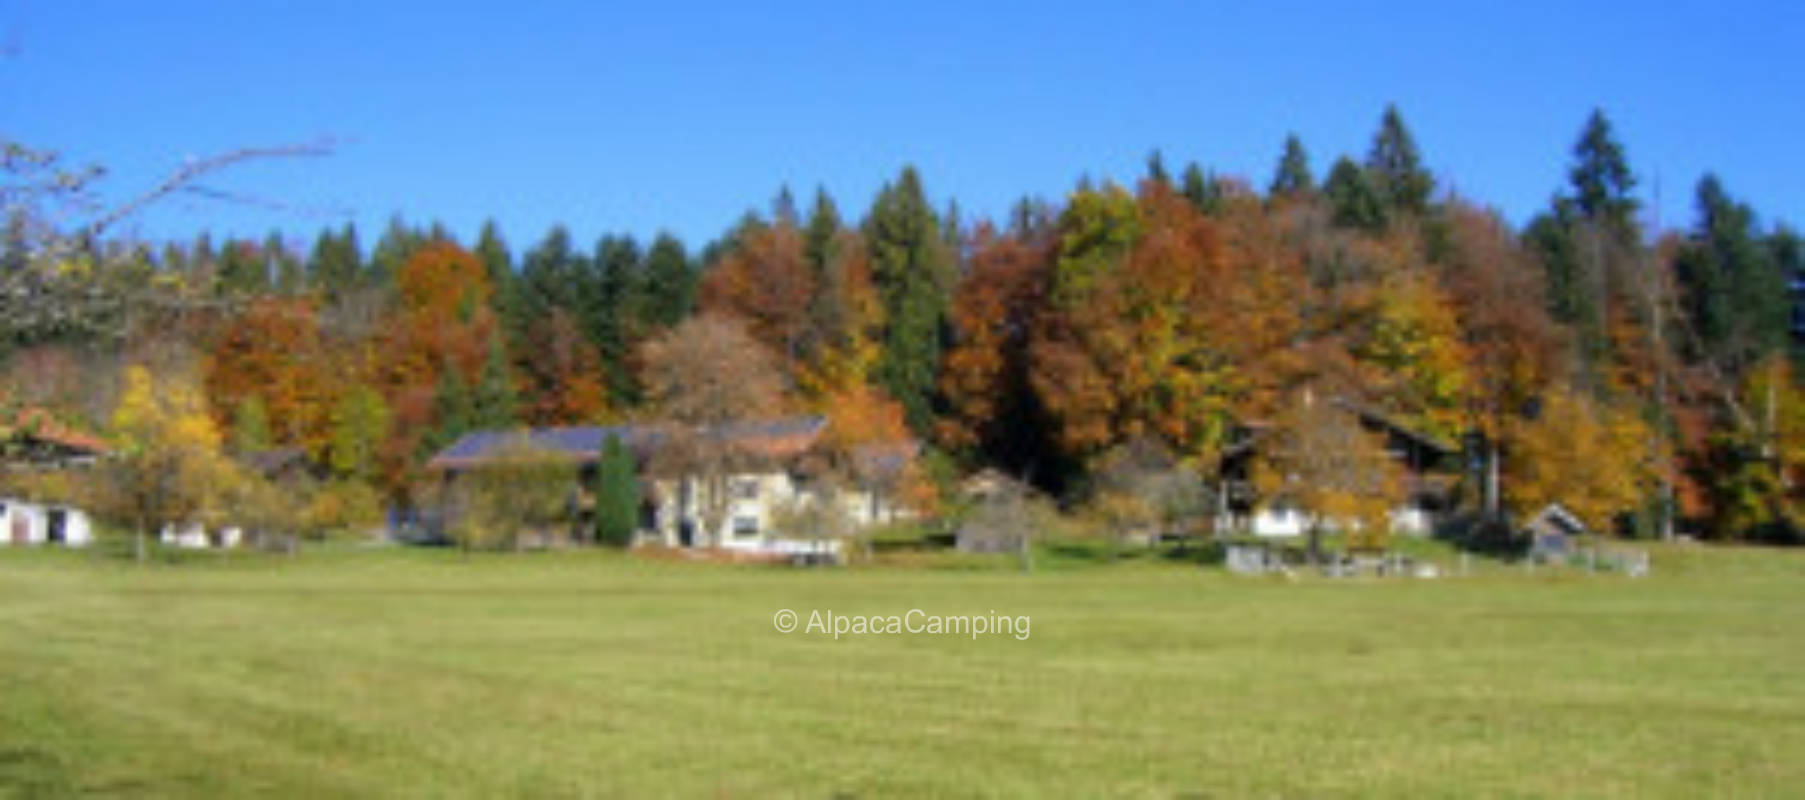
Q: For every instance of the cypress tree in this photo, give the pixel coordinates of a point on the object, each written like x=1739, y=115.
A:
x=616, y=495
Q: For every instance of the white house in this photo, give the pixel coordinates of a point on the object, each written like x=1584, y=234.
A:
x=38, y=445
x=23, y=522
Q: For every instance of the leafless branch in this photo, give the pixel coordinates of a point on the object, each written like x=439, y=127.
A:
x=188, y=173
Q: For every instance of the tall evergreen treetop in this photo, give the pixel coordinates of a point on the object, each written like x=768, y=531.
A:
x=913, y=274
x=1353, y=199
x=669, y=294
x=1293, y=176
x=1396, y=166
x=1600, y=175
x=823, y=226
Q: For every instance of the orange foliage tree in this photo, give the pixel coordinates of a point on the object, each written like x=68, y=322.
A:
x=767, y=281
x=444, y=322
x=272, y=351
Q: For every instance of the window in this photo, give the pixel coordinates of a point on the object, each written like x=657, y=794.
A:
x=745, y=489
x=745, y=526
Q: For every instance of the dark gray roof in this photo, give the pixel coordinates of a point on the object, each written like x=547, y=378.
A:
x=584, y=443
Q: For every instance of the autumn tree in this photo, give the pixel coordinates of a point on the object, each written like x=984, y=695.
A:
x=435, y=350
x=991, y=408
x=167, y=466
x=700, y=377
x=562, y=373
x=767, y=281
x=273, y=351
x=1320, y=457
x=1591, y=457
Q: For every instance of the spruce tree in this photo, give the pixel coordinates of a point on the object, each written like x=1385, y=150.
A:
x=1738, y=294
x=1353, y=200
x=913, y=275
x=493, y=403
x=612, y=307
x=823, y=226
x=492, y=250
x=1293, y=178
x=669, y=293
x=616, y=513
x=1601, y=176
x=453, y=412
x=1396, y=166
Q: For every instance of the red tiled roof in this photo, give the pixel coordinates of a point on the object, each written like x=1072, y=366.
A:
x=40, y=424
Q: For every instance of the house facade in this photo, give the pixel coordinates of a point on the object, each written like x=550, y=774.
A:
x=761, y=488
x=37, y=446
x=1429, y=467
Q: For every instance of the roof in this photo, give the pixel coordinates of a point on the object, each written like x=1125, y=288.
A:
x=37, y=423
x=1555, y=518
x=583, y=444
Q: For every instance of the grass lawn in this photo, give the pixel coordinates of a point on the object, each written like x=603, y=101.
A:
x=426, y=673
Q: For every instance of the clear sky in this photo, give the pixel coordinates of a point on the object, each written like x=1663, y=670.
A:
x=642, y=116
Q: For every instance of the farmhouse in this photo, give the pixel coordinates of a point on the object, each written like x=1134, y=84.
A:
x=732, y=486
x=38, y=453
x=1429, y=467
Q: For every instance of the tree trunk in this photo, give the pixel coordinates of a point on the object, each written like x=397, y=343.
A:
x=138, y=544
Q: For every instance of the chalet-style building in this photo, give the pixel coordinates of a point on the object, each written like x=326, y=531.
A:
x=1430, y=466
x=34, y=445
x=769, y=471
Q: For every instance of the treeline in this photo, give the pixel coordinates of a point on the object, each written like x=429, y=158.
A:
x=1644, y=378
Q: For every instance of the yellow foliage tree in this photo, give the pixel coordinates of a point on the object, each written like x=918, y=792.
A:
x=167, y=466
x=1592, y=458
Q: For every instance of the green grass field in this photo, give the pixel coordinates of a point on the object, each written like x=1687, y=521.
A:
x=405, y=673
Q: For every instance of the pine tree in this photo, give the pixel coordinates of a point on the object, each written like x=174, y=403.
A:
x=1738, y=293
x=670, y=284
x=492, y=250
x=1355, y=202
x=913, y=275
x=549, y=278
x=823, y=226
x=616, y=495
x=1156, y=169
x=612, y=309
x=336, y=265
x=1293, y=178
x=1601, y=176
x=1202, y=189
x=453, y=411
x=493, y=402
x=1396, y=166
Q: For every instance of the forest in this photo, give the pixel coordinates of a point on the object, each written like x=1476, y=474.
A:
x=1642, y=377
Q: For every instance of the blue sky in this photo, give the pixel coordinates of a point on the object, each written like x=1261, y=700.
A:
x=637, y=117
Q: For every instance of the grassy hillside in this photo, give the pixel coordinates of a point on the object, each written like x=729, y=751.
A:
x=425, y=673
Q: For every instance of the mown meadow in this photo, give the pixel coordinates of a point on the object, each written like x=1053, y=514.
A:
x=421, y=672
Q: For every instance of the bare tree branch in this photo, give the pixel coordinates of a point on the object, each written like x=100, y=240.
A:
x=190, y=172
